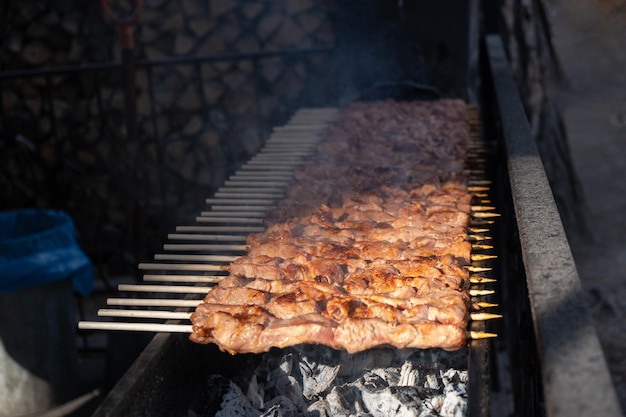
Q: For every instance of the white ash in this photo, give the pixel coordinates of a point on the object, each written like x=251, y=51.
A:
x=321, y=382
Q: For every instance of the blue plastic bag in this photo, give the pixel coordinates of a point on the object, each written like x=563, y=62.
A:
x=39, y=246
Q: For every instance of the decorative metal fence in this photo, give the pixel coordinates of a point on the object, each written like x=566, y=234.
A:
x=66, y=141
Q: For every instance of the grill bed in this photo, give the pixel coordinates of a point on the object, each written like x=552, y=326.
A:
x=546, y=327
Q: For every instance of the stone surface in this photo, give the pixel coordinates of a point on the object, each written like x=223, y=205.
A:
x=201, y=26
x=268, y=25
x=183, y=44
x=589, y=39
x=293, y=7
x=251, y=10
x=210, y=46
x=219, y=7
x=36, y=53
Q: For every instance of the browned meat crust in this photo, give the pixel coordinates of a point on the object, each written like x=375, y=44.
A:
x=368, y=246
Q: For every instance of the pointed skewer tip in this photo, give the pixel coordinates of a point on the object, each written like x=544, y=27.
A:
x=482, y=335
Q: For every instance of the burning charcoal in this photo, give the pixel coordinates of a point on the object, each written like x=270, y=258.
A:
x=280, y=407
x=235, y=404
x=391, y=374
x=283, y=365
x=452, y=376
x=408, y=375
x=375, y=380
x=396, y=401
x=319, y=408
x=342, y=401
x=255, y=393
x=289, y=387
x=432, y=406
x=323, y=382
x=432, y=382
x=454, y=404
x=316, y=377
x=455, y=392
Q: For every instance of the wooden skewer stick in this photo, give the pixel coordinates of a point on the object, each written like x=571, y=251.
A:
x=286, y=139
x=481, y=208
x=280, y=157
x=207, y=238
x=136, y=327
x=475, y=189
x=277, y=159
x=276, y=196
x=144, y=314
x=226, y=229
x=478, y=269
x=272, y=168
x=483, y=304
x=207, y=247
x=242, y=207
x=175, y=289
x=197, y=258
x=305, y=128
x=248, y=202
x=483, y=201
x=255, y=176
x=484, y=316
x=479, y=182
x=257, y=183
x=286, y=164
x=256, y=214
x=478, y=246
x=480, y=293
x=298, y=131
x=278, y=144
x=152, y=302
x=228, y=220
x=477, y=145
x=481, y=280
x=209, y=279
x=243, y=190
x=483, y=215
x=268, y=155
x=478, y=257
x=284, y=154
x=476, y=222
x=479, y=237
x=476, y=153
x=481, y=335
x=180, y=267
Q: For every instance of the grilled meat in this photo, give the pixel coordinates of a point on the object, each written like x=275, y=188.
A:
x=368, y=247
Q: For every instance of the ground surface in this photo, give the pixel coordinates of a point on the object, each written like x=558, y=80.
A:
x=590, y=39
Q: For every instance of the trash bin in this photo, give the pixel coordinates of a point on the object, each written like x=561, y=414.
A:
x=40, y=266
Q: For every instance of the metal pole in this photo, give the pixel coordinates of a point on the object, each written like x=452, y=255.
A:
x=127, y=46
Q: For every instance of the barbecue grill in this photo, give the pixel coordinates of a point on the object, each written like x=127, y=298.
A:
x=547, y=352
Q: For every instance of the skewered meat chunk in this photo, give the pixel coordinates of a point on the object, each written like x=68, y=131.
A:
x=367, y=248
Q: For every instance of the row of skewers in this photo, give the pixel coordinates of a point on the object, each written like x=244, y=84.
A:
x=197, y=257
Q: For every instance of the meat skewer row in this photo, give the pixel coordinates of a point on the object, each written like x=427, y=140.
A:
x=369, y=246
